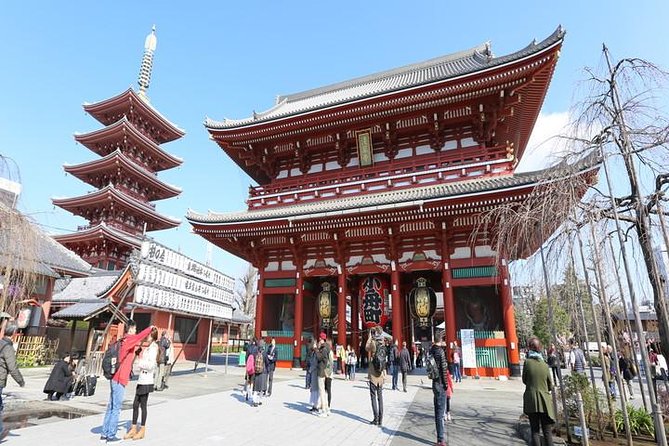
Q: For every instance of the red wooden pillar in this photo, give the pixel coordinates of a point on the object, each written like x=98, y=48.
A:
x=259, y=304
x=299, y=313
x=341, y=308
x=395, y=295
x=509, y=321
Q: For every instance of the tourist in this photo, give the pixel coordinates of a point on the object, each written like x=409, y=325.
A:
x=163, y=348
x=420, y=356
x=120, y=380
x=312, y=373
x=661, y=371
x=625, y=367
x=351, y=362
x=376, y=372
x=609, y=371
x=404, y=364
x=260, y=375
x=341, y=359
x=537, y=402
x=60, y=380
x=449, y=394
x=8, y=367
x=271, y=365
x=439, y=384
x=310, y=353
x=323, y=356
x=456, y=357
x=576, y=358
x=250, y=370
x=329, y=368
x=147, y=362
x=553, y=361
x=394, y=360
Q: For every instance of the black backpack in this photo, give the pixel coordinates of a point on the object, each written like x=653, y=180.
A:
x=111, y=361
x=380, y=357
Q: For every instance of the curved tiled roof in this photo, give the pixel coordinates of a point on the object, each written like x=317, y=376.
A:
x=434, y=70
x=118, y=156
x=399, y=198
x=86, y=287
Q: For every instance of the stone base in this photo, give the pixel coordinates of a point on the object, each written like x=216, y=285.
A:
x=515, y=370
x=296, y=364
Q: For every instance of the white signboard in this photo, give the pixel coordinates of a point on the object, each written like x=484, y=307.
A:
x=468, y=348
x=164, y=256
x=161, y=277
x=168, y=299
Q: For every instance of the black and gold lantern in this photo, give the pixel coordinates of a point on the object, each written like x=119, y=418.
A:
x=422, y=302
x=326, y=299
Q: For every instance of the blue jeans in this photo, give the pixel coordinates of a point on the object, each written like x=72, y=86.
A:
x=456, y=372
x=439, y=394
x=2, y=407
x=395, y=371
x=110, y=424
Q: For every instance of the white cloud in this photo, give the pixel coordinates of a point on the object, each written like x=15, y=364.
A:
x=544, y=146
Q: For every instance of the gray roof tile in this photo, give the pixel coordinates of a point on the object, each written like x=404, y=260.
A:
x=86, y=287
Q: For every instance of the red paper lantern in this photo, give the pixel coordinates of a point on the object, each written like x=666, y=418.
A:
x=375, y=301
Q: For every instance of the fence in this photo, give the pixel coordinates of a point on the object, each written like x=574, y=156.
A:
x=63, y=335
x=35, y=351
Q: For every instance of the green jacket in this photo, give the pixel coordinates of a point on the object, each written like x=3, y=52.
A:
x=538, y=384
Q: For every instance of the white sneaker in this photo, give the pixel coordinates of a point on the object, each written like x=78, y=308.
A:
x=448, y=417
x=323, y=414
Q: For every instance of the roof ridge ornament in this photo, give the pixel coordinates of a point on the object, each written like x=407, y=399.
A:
x=145, y=68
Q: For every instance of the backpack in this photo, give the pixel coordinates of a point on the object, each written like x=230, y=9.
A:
x=432, y=368
x=250, y=365
x=380, y=357
x=259, y=363
x=111, y=361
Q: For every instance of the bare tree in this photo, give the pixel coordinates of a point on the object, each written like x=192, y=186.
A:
x=245, y=297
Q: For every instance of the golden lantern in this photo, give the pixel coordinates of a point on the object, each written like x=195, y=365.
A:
x=422, y=302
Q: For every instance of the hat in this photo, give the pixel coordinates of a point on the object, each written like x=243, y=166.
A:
x=323, y=336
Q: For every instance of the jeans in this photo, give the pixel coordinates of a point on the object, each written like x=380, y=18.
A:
x=110, y=423
x=439, y=394
x=2, y=427
x=270, y=380
x=328, y=390
x=404, y=380
x=541, y=420
x=376, y=395
x=395, y=371
x=158, y=379
x=352, y=373
x=456, y=372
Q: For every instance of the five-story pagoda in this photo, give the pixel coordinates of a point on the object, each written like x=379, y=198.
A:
x=125, y=175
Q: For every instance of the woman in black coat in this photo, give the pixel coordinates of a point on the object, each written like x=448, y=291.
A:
x=60, y=380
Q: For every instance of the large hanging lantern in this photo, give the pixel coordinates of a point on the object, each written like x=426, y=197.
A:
x=374, y=298
x=326, y=300
x=422, y=302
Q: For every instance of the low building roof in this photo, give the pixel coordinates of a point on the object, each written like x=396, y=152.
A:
x=84, y=309
x=86, y=287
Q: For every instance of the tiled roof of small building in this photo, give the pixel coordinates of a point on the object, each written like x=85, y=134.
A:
x=87, y=287
x=84, y=309
x=409, y=76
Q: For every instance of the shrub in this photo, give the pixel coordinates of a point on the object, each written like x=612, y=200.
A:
x=594, y=360
x=641, y=422
x=577, y=382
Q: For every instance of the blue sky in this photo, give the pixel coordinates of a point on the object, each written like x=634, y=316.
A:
x=226, y=59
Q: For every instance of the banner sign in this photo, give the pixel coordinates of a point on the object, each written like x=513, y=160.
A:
x=468, y=348
x=164, y=256
x=168, y=299
x=167, y=279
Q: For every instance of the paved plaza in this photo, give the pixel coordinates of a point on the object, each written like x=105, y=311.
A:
x=199, y=410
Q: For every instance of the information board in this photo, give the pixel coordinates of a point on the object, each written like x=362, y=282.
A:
x=468, y=348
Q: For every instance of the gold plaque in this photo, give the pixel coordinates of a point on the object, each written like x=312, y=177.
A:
x=365, y=147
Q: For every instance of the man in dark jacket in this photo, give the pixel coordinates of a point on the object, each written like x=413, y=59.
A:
x=439, y=385
x=376, y=375
x=271, y=365
x=404, y=364
x=60, y=380
x=8, y=367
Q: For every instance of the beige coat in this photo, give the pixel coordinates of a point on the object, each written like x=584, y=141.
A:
x=376, y=377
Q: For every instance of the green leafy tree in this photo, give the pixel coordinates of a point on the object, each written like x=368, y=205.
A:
x=542, y=328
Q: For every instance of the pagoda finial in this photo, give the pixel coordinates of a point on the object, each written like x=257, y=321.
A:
x=147, y=62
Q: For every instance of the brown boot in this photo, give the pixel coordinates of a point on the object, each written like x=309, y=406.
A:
x=131, y=433
x=140, y=434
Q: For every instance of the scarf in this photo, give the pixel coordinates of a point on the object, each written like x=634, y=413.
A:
x=535, y=355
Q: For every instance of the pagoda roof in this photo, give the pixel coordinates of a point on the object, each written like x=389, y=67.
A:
x=110, y=194
x=121, y=129
x=106, y=112
x=360, y=204
x=113, y=161
x=100, y=231
x=449, y=67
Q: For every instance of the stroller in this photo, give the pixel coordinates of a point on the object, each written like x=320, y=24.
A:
x=84, y=383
